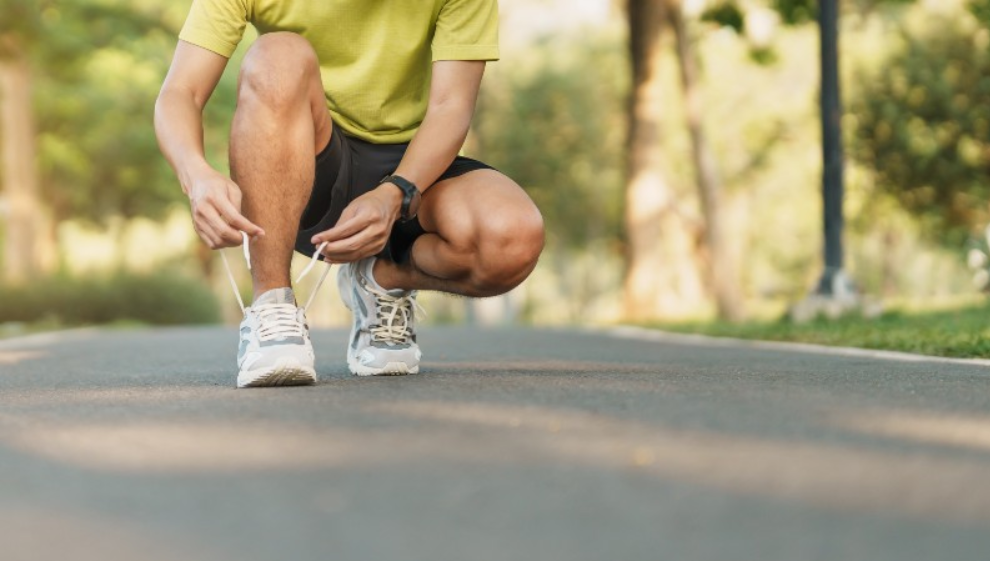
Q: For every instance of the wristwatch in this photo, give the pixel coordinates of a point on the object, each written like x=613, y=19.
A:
x=411, y=196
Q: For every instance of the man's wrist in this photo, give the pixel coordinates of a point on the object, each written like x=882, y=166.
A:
x=393, y=194
x=411, y=196
x=192, y=173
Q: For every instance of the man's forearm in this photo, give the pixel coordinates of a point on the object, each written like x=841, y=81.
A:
x=179, y=128
x=363, y=228
x=436, y=144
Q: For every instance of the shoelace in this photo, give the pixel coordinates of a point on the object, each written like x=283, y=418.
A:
x=279, y=320
x=395, y=316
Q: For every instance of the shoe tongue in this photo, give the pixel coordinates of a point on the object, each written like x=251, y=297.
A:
x=277, y=296
x=366, y=271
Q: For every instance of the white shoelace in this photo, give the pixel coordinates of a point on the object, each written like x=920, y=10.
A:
x=280, y=315
x=395, y=316
x=278, y=321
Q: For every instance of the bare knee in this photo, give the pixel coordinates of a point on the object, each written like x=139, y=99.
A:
x=508, y=249
x=277, y=71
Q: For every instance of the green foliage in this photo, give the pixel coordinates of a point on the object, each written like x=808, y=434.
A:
x=731, y=13
x=558, y=130
x=980, y=10
x=69, y=32
x=725, y=14
x=20, y=21
x=100, y=64
x=795, y=12
x=922, y=124
x=160, y=298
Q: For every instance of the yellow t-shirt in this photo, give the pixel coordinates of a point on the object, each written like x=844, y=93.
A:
x=375, y=55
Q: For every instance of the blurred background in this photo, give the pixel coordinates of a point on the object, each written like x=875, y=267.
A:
x=674, y=147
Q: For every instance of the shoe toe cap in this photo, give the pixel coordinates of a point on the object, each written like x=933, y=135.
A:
x=382, y=357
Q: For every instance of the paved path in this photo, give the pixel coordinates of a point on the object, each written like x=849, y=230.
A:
x=513, y=445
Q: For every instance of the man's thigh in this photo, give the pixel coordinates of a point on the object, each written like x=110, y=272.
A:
x=487, y=233
x=462, y=208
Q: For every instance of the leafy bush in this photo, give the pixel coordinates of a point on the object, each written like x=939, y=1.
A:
x=160, y=299
x=557, y=127
x=923, y=123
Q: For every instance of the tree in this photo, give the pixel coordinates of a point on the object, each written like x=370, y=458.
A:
x=557, y=129
x=557, y=126
x=721, y=267
x=663, y=277
x=27, y=249
x=79, y=80
x=102, y=64
x=833, y=283
x=922, y=126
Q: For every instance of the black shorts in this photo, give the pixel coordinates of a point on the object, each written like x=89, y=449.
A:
x=346, y=169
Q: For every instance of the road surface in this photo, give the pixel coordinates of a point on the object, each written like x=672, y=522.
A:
x=521, y=444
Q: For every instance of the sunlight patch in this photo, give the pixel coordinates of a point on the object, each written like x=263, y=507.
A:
x=13, y=357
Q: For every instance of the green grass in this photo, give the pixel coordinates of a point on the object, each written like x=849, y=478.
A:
x=19, y=329
x=162, y=298
x=963, y=333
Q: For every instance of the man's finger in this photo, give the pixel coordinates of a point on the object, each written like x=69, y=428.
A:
x=347, y=256
x=234, y=218
x=351, y=256
x=368, y=236
x=228, y=236
x=345, y=248
x=346, y=227
x=208, y=236
x=345, y=253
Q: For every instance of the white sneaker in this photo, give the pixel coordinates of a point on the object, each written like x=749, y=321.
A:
x=275, y=349
x=383, y=336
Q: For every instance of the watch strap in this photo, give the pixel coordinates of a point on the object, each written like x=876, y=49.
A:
x=409, y=191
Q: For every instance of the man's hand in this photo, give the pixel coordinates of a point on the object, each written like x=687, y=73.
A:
x=216, y=211
x=215, y=199
x=364, y=226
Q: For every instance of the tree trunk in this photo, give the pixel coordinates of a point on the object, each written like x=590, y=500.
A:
x=27, y=248
x=663, y=279
x=722, y=269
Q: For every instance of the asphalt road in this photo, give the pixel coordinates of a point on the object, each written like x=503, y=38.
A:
x=512, y=445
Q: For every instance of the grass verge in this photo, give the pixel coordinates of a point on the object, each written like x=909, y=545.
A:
x=961, y=333
x=162, y=298
x=18, y=329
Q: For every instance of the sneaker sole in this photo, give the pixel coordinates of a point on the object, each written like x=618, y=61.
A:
x=345, y=288
x=390, y=369
x=285, y=373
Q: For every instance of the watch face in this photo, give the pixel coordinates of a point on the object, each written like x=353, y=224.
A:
x=413, y=209
x=411, y=196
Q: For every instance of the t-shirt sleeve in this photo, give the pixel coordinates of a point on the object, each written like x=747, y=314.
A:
x=216, y=25
x=467, y=30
